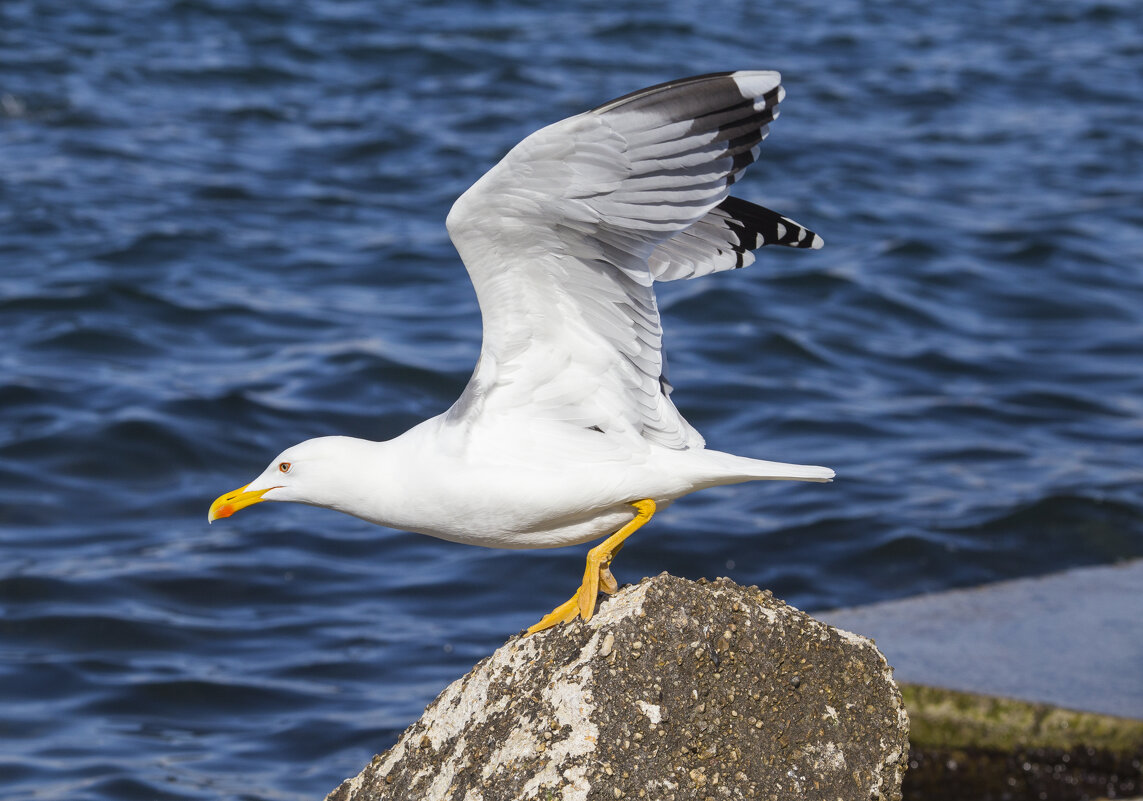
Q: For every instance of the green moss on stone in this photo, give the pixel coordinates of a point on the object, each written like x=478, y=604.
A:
x=947, y=719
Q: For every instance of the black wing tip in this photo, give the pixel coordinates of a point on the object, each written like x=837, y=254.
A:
x=772, y=96
x=759, y=226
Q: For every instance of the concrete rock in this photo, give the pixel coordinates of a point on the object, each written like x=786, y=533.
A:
x=674, y=690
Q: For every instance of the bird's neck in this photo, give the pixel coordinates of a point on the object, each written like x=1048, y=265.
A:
x=371, y=479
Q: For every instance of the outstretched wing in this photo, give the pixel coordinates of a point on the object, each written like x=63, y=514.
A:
x=564, y=238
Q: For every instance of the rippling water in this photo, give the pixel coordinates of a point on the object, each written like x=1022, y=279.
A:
x=221, y=232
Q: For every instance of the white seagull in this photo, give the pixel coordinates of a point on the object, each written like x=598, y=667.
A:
x=566, y=431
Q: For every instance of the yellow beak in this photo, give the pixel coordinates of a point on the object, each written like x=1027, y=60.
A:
x=231, y=502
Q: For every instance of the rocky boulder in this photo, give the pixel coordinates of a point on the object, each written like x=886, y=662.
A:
x=674, y=690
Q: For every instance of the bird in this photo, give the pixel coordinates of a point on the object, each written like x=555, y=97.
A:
x=566, y=431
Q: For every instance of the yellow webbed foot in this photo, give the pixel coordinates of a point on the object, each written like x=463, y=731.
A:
x=597, y=574
x=565, y=612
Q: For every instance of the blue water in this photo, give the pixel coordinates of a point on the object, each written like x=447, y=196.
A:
x=221, y=232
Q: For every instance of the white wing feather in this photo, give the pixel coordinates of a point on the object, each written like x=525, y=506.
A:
x=564, y=238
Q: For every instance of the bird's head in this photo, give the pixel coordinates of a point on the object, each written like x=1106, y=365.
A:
x=308, y=472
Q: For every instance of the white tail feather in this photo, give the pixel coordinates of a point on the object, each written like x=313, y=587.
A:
x=727, y=468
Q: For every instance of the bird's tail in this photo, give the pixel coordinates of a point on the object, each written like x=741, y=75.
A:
x=726, y=468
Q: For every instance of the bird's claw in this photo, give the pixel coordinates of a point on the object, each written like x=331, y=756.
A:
x=597, y=574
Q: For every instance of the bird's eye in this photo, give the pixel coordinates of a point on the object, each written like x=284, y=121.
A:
x=284, y=467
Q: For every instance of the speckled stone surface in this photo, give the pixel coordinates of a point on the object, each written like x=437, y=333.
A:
x=674, y=690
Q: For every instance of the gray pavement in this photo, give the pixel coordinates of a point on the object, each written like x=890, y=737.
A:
x=1072, y=639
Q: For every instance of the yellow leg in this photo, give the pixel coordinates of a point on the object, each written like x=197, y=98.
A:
x=597, y=575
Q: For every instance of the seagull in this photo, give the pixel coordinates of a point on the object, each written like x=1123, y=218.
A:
x=566, y=431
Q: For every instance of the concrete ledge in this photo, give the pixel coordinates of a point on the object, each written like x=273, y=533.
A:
x=1058, y=643
x=966, y=746
x=1072, y=639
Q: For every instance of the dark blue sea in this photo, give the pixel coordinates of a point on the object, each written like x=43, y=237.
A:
x=222, y=232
